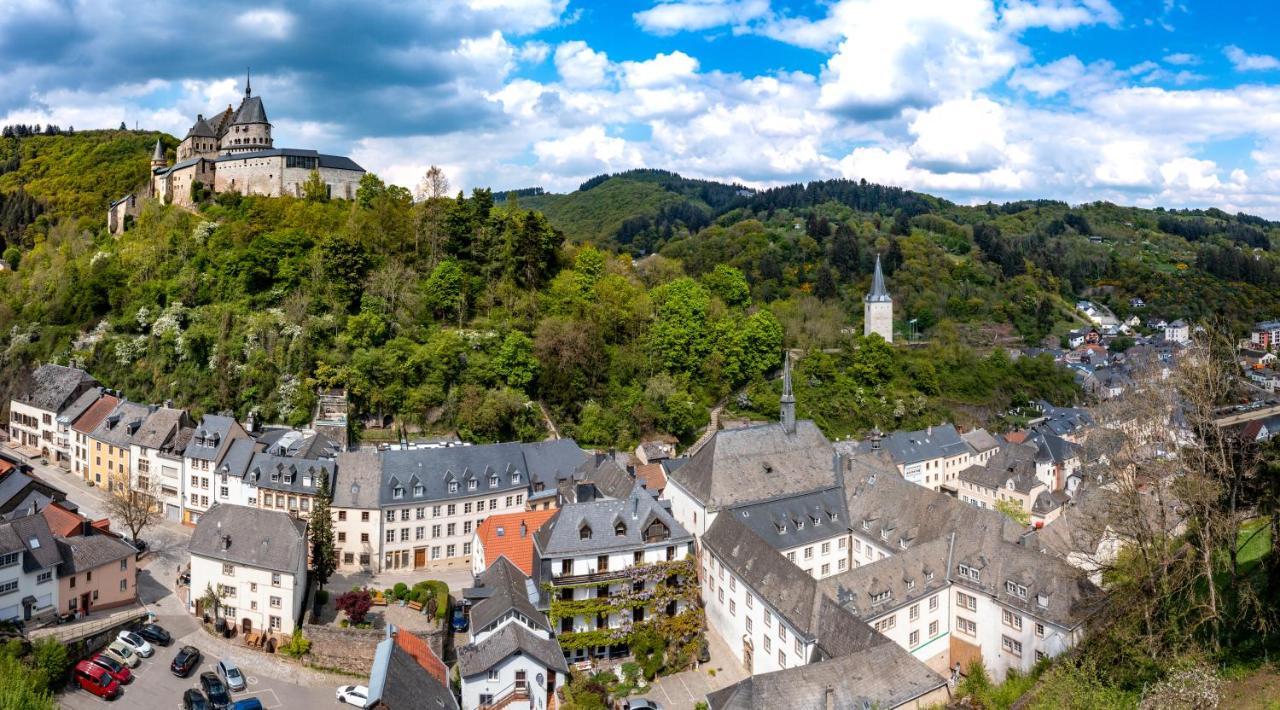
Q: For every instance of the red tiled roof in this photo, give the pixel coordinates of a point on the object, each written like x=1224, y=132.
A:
x=1016, y=437
x=651, y=476
x=518, y=549
x=6, y=467
x=423, y=654
x=93, y=416
x=62, y=521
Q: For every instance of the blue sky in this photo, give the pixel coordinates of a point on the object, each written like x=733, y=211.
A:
x=1148, y=102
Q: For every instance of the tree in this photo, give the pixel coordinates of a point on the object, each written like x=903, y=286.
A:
x=515, y=361
x=136, y=506
x=434, y=185
x=211, y=600
x=123, y=127
x=356, y=604
x=371, y=187
x=345, y=263
x=444, y=293
x=324, y=559
x=679, y=337
x=314, y=188
x=20, y=688
x=1013, y=511
x=730, y=285
x=12, y=256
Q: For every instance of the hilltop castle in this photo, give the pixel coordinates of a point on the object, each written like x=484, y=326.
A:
x=234, y=152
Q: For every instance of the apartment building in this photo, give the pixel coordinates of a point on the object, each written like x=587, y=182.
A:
x=29, y=561
x=109, y=444
x=357, y=520
x=811, y=530
x=82, y=427
x=36, y=404
x=201, y=458
x=155, y=456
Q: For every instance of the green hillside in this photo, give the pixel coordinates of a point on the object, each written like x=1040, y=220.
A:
x=597, y=214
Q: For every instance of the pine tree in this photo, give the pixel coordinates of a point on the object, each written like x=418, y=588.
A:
x=323, y=558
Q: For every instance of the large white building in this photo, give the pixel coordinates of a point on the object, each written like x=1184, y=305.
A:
x=256, y=561
x=204, y=453
x=155, y=458
x=35, y=406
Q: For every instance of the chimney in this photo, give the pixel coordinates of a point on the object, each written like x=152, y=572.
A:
x=830, y=697
x=635, y=507
x=524, y=529
x=226, y=542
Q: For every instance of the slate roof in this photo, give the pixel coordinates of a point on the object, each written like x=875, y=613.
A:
x=263, y=466
x=31, y=536
x=407, y=675
x=236, y=460
x=211, y=437
x=883, y=676
x=78, y=406
x=251, y=111
x=510, y=639
x=16, y=488
x=797, y=520
x=201, y=129
x=118, y=427
x=509, y=589
x=980, y=440
x=1014, y=461
x=756, y=463
x=336, y=162
x=561, y=535
x=266, y=539
x=433, y=469
x=1053, y=448
x=904, y=575
x=878, y=292
x=908, y=447
x=361, y=480
x=52, y=387
x=510, y=535
x=607, y=473
x=1064, y=420
x=159, y=429
x=82, y=553
x=179, y=165
x=1070, y=597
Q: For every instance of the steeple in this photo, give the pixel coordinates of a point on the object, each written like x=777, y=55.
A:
x=248, y=90
x=878, y=294
x=788, y=398
x=157, y=156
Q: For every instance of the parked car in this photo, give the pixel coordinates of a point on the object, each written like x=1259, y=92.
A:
x=188, y=658
x=356, y=695
x=247, y=704
x=459, y=621
x=194, y=700
x=123, y=652
x=230, y=674
x=216, y=690
x=138, y=643
x=155, y=633
x=140, y=546
x=97, y=680
x=643, y=704
x=117, y=671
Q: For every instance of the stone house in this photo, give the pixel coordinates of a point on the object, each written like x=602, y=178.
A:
x=35, y=406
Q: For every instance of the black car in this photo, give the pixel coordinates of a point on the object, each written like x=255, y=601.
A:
x=188, y=657
x=155, y=634
x=194, y=700
x=219, y=698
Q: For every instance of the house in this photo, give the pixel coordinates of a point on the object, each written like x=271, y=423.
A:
x=1178, y=332
x=408, y=675
x=229, y=476
x=1265, y=335
x=1251, y=359
x=811, y=530
x=255, y=561
x=23, y=493
x=653, y=476
x=511, y=661
x=1137, y=303
x=29, y=559
x=508, y=535
x=64, y=437
x=1266, y=378
x=99, y=571
x=287, y=482
x=931, y=457
x=1260, y=429
x=654, y=451
x=36, y=404
x=84, y=425
x=156, y=459
x=590, y=550
x=1015, y=476
x=109, y=444
x=201, y=458
x=982, y=445
x=1070, y=423
x=357, y=521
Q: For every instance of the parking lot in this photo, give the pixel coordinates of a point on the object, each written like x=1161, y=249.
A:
x=154, y=686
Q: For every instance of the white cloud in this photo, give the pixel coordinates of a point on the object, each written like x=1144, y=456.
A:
x=1243, y=61
x=694, y=15
x=588, y=151
x=1182, y=59
x=1058, y=15
x=960, y=136
x=534, y=52
x=662, y=70
x=266, y=23
x=581, y=66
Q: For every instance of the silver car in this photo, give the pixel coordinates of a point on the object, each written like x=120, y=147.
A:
x=230, y=674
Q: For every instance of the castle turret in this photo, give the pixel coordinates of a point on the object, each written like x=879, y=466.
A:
x=877, y=307
x=157, y=156
x=201, y=141
x=249, y=130
x=788, y=398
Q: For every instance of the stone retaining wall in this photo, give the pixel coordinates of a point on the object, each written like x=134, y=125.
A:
x=351, y=650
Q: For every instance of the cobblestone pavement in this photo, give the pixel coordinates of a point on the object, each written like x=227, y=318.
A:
x=682, y=691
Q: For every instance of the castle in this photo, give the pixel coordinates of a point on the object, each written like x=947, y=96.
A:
x=234, y=152
x=877, y=308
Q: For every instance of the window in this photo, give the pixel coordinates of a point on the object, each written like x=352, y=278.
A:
x=748, y=624
x=808, y=552
x=471, y=485
x=364, y=516
x=466, y=509
x=965, y=626
x=493, y=676
x=1040, y=656
x=449, y=550
x=275, y=602
x=913, y=639
x=435, y=552
x=342, y=536
x=877, y=597
x=8, y=587
x=275, y=579
x=768, y=644
x=733, y=608
x=508, y=502
x=768, y=618
x=841, y=564
x=222, y=490
x=451, y=529
x=418, y=490
x=391, y=536
x=435, y=531
x=844, y=543
x=453, y=486
x=419, y=532
x=391, y=516
x=342, y=516
x=124, y=585
x=751, y=601
x=826, y=547
x=1011, y=619
x=1039, y=629
x=826, y=570
x=782, y=632
x=348, y=558
x=466, y=528
x=274, y=623
x=968, y=572
x=791, y=556
x=419, y=513
x=887, y=623
x=364, y=537
x=720, y=595
x=964, y=601
x=733, y=584
x=933, y=603
x=914, y=612
x=451, y=509
x=782, y=658
x=228, y=570
x=1011, y=645
x=466, y=548
x=404, y=514
x=933, y=629
x=493, y=480
x=1015, y=589
x=404, y=534
x=44, y=577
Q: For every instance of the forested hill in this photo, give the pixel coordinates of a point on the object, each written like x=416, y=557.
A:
x=627, y=310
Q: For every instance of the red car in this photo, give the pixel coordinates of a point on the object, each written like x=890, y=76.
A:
x=97, y=680
x=117, y=671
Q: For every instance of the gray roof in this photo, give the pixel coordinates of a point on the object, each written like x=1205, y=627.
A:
x=553, y=460
x=211, y=437
x=336, y=162
x=361, y=480
x=980, y=440
x=77, y=407
x=263, y=466
x=235, y=462
x=158, y=153
x=796, y=520
x=201, y=129
x=882, y=676
x=82, y=553
x=1016, y=462
x=1070, y=598
x=908, y=447
x=561, y=535
x=53, y=387
x=878, y=292
x=1064, y=420
x=513, y=638
x=160, y=428
x=1053, y=448
x=434, y=469
x=266, y=539
x=251, y=111
x=399, y=682
x=31, y=536
x=756, y=463
x=16, y=488
x=907, y=576
x=607, y=474
x=179, y=166
x=509, y=589
x=118, y=427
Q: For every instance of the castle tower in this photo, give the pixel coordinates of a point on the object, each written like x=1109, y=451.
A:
x=200, y=142
x=788, y=398
x=877, y=308
x=157, y=156
x=249, y=129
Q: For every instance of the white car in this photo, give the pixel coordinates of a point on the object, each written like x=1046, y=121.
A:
x=136, y=642
x=356, y=695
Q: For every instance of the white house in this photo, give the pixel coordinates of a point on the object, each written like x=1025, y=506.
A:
x=512, y=661
x=155, y=457
x=29, y=560
x=1177, y=332
x=34, y=409
x=201, y=458
x=256, y=561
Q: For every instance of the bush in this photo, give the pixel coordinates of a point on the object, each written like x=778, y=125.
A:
x=322, y=597
x=401, y=590
x=298, y=646
x=51, y=661
x=355, y=604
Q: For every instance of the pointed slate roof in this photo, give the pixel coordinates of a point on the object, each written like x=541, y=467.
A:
x=201, y=129
x=879, y=294
x=158, y=153
x=511, y=639
x=250, y=111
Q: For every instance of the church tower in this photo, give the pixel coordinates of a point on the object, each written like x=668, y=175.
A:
x=788, y=398
x=877, y=308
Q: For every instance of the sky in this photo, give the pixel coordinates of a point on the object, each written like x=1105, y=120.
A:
x=1141, y=102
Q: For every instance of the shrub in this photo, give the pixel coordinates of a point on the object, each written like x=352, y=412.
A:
x=50, y=660
x=298, y=646
x=355, y=604
x=401, y=590
x=322, y=597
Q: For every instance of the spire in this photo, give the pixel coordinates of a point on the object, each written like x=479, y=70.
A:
x=248, y=90
x=878, y=291
x=788, y=397
x=157, y=156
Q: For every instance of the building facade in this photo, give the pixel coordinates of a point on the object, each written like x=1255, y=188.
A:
x=29, y=561
x=204, y=453
x=35, y=406
x=877, y=307
x=155, y=458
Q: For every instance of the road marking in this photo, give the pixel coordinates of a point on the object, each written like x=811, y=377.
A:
x=275, y=697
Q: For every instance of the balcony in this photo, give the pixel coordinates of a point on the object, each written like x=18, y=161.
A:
x=592, y=575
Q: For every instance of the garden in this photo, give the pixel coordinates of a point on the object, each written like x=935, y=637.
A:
x=423, y=605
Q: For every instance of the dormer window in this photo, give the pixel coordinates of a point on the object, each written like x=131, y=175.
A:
x=884, y=535
x=799, y=525
x=397, y=492
x=584, y=532
x=1042, y=599
x=928, y=577
x=307, y=481
x=453, y=486
x=911, y=584
x=493, y=481
x=418, y=490
x=866, y=525
x=620, y=528
x=968, y=572
x=782, y=528
x=1015, y=589
x=831, y=517
x=288, y=478
x=881, y=597
x=471, y=485
x=515, y=477
x=1010, y=484
x=902, y=542
x=275, y=476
